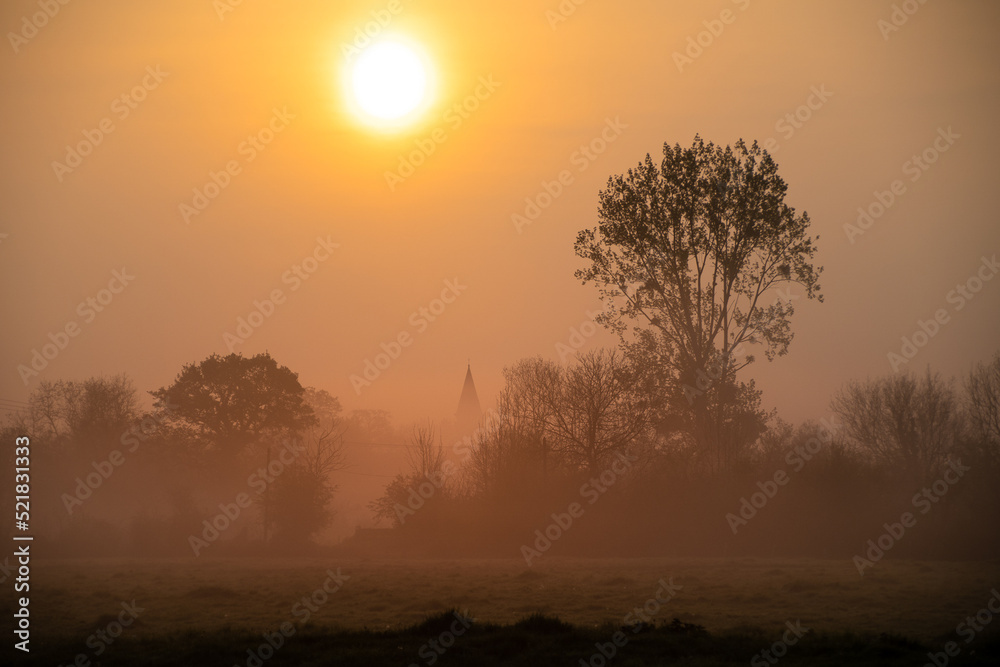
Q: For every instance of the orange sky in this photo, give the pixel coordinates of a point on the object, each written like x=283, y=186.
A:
x=556, y=89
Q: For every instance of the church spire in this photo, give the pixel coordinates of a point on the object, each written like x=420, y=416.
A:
x=469, y=409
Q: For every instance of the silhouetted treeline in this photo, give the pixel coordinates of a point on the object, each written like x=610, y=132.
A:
x=916, y=458
x=235, y=453
x=575, y=459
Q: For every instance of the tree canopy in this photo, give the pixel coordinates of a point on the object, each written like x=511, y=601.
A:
x=688, y=255
x=232, y=402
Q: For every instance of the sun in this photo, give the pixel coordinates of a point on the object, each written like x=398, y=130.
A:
x=390, y=83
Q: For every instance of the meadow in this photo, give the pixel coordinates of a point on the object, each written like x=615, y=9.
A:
x=212, y=611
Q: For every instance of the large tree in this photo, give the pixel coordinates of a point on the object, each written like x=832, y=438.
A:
x=688, y=255
x=233, y=402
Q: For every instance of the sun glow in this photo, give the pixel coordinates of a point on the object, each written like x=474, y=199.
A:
x=390, y=83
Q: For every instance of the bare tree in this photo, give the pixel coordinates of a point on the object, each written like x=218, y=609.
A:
x=578, y=416
x=47, y=411
x=982, y=403
x=901, y=421
x=299, y=504
x=90, y=416
x=425, y=458
x=324, y=439
x=425, y=455
x=597, y=414
x=499, y=460
x=528, y=403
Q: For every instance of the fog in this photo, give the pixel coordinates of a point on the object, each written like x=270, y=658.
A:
x=540, y=303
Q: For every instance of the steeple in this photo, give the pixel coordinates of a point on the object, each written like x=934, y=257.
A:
x=469, y=410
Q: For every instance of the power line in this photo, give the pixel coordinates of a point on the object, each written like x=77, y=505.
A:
x=386, y=444
x=376, y=444
x=10, y=400
x=367, y=474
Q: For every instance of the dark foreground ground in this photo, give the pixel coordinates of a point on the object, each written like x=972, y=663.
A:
x=534, y=641
x=559, y=611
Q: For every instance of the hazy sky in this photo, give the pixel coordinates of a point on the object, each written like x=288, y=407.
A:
x=200, y=81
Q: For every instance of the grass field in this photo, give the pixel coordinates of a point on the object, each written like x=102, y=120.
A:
x=212, y=611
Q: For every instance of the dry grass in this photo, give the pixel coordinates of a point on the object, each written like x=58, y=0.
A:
x=922, y=600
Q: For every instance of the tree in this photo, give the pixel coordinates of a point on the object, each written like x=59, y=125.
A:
x=392, y=504
x=233, y=402
x=91, y=415
x=46, y=411
x=425, y=455
x=527, y=404
x=370, y=425
x=299, y=504
x=596, y=412
x=578, y=416
x=426, y=462
x=901, y=421
x=685, y=255
x=982, y=404
x=501, y=456
x=99, y=410
x=324, y=437
x=741, y=420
